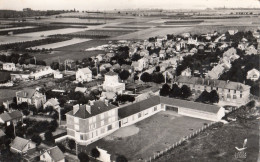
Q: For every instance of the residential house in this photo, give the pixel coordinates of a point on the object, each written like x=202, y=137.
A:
x=20, y=145
x=57, y=75
x=186, y=72
x=231, y=54
x=81, y=89
x=99, y=57
x=31, y=96
x=90, y=122
x=162, y=54
x=227, y=90
x=251, y=50
x=253, y=75
x=11, y=117
x=232, y=32
x=242, y=46
x=53, y=102
x=111, y=83
x=84, y=75
x=70, y=64
x=105, y=66
x=141, y=64
x=216, y=71
x=53, y=154
x=40, y=72
x=9, y=67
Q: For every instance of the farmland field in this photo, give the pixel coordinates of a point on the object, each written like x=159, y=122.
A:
x=83, y=46
x=60, y=44
x=17, y=28
x=13, y=39
x=147, y=137
x=107, y=32
x=50, y=32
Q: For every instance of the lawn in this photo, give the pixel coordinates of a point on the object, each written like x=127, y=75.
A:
x=218, y=144
x=154, y=134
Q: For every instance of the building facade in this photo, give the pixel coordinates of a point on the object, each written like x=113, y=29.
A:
x=84, y=75
x=31, y=96
x=111, y=83
x=227, y=90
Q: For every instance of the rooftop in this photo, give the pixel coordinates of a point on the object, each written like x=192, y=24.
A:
x=19, y=143
x=56, y=153
x=10, y=116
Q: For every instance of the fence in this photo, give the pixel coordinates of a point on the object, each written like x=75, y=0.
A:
x=163, y=152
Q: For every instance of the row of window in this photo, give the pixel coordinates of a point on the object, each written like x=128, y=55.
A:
x=95, y=133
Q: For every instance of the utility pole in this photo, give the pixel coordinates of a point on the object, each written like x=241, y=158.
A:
x=59, y=116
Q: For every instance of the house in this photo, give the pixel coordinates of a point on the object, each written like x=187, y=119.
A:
x=90, y=122
x=100, y=57
x=108, y=95
x=9, y=67
x=194, y=50
x=53, y=154
x=105, y=66
x=20, y=145
x=162, y=54
x=41, y=72
x=251, y=50
x=111, y=83
x=141, y=64
x=53, y=102
x=216, y=71
x=11, y=117
x=57, y=75
x=242, y=46
x=232, y=32
x=31, y=96
x=231, y=54
x=253, y=75
x=71, y=64
x=186, y=72
x=84, y=75
x=227, y=90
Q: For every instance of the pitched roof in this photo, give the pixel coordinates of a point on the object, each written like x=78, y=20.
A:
x=19, y=143
x=138, y=107
x=10, y=116
x=111, y=73
x=53, y=101
x=85, y=70
x=128, y=110
x=2, y=133
x=80, y=89
x=55, y=153
x=212, y=82
x=26, y=93
x=98, y=107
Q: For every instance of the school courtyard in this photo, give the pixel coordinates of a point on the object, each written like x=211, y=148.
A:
x=148, y=137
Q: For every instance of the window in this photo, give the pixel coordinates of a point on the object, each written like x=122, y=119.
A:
x=228, y=96
x=125, y=120
x=81, y=137
x=145, y=112
x=234, y=97
x=228, y=90
x=90, y=120
x=43, y=156
x=235, y=91
x=241, y=95
x=155, y=108
x=139, y=115
x=102, y=116
x=102, y=130
x=109, y=127
x=217, y=88
x=102, y=122
x=92, y=126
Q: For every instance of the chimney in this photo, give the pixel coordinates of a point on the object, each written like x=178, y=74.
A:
x=88, y=108
x=106, y=102
x=24, y=94
x=75, y=108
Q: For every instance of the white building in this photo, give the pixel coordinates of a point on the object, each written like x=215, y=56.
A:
x=253, y=75
x=84, y=75
x=53, y=154
x=111, y=83
x=9, y=67
x=41, y=72
x=186, y=72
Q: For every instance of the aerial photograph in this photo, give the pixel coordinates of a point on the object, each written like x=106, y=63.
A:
x=129, y=81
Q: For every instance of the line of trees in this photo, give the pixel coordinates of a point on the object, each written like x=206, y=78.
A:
x=175, y=92
x=208, y=97
x=154, y=77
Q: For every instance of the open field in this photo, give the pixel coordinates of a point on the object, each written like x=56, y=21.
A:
x=51, y=32
x=105, y=32
x=63, y=55
x=218, y=144
x=60, y=44
x=17, y=28
x=82, y=46
x=151, y=135
x=14, y=39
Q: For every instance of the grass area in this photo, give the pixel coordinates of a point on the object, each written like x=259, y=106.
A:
x=218, y=144
x=82, y=46
x=156, y=133
x=104, y=32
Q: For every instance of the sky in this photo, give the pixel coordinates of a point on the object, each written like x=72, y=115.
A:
x=124, y=4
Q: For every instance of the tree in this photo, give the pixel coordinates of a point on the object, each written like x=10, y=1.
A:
x=165, y=90
x=158, y=78
x=204, y=97
x=83, y=157
x=61, y=147
x=157, y=69
x=124, y=75
x=136, y=57
x=175, y=91
x=146, y=77
x=2, y=109
x=37, y=139
x=121, y=158
x=185, y=92
x=213, y=97
x=95, y=153
x=55, y=65
x=71, y=144
x=48, y=136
